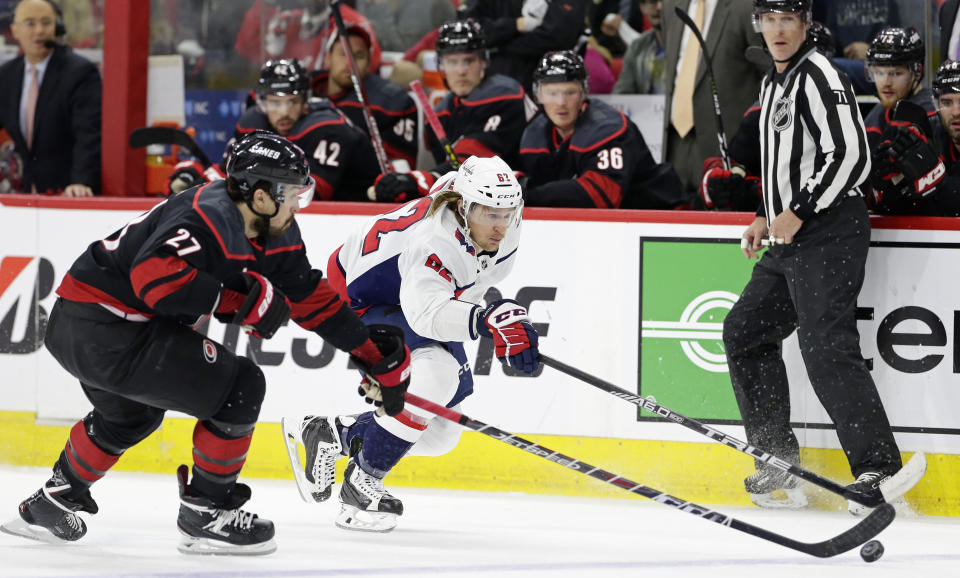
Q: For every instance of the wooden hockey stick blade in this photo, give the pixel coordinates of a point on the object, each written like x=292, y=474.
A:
x=873, y=524
x=165, y=135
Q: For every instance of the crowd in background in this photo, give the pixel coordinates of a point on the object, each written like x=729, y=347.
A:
x=627, y=47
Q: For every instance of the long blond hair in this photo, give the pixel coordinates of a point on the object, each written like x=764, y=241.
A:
x=449, y=199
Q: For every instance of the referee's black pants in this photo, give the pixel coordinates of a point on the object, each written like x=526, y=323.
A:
x=812, y=286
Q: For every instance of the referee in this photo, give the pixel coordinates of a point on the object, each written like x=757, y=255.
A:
x=814, y=159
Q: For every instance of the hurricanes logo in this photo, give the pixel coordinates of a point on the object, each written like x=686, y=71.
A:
x=696, y=326
x=209, y=351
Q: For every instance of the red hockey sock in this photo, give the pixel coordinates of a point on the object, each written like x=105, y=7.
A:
x=86, y=459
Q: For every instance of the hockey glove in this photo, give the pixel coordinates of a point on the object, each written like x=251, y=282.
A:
x=264, y=309
x=514, y=339
x=730, y=190
x=187, y=174
x=385, y=363
x=401, y=187
x=921, y=166
x=533, y=12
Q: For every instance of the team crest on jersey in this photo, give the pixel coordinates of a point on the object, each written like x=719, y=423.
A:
x=209, y=351
x=782, y=114
x=463, y=241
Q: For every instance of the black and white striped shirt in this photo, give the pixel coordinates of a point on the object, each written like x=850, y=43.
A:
x=812, y=138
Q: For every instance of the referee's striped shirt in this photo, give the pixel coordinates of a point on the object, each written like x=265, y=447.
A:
x=812, y=138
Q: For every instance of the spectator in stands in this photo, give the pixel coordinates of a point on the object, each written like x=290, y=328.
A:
x=520, y=32
x=854, y=23
x=393, y=110
x=50, y=105
x=690, y=134
x=399, y=24
x=643, y=64
x=616, y=26
x=580, y=152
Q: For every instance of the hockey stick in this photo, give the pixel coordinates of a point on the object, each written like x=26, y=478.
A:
x=721, y=136
x=892, y=488
x=434, y=121
x=165, y=135
x=869, y=527
x=358, y=88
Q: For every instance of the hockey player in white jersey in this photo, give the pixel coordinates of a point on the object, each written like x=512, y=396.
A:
x=425, y=268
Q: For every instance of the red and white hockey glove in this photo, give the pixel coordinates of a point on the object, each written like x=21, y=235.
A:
x=264, y=309
x=514, y=339
x=384, y=361
x=402, y=187
x=187, y=174
x=732, y=189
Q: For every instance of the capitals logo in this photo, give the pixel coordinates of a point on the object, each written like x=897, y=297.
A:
x=24, y=283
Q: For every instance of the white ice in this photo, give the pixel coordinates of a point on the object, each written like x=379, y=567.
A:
x=463, y=534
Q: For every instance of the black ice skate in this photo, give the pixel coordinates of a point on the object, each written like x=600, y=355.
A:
x=774, y=488
x=365, y=504
x=209, y=528
x=320, y=438
x=49, y=514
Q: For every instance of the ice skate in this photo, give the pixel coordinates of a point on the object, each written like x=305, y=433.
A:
x=365, y=504
x=774, y=488
x=870, y=482
x=210, y=528
x=49, y=514
x=320, y=438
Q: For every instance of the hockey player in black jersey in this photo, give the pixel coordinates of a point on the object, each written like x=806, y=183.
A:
x=342, y=160
x=482, y=115
x=393, y=110
x=124, y=326
x=580, y=152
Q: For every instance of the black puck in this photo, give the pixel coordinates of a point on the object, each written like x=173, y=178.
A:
x=871, y=551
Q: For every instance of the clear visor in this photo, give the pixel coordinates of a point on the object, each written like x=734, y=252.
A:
x=297, y=195
x=777, y=21
x=483, y=215
x=556, y=93
x=880, y=74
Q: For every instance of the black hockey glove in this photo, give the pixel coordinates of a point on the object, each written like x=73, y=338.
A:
x=402, y=187
x=385, y=380
x=264, y=309
x=730, y=190
x=906, y=165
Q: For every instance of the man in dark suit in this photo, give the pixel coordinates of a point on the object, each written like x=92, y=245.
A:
x=729, y=33
x=50, y=105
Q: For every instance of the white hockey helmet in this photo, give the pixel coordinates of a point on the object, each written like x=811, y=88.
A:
x=488, y=182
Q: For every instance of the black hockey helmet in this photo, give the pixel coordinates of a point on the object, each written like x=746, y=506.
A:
x=458, y=36
x=822, y=39
x=895, y=46
x=947, y=80
x=283, y=77
x=266, y=160
x=803, y=7
x=560, y=66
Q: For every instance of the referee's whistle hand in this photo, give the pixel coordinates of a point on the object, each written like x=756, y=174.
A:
x=750, y=244
x=785, y=226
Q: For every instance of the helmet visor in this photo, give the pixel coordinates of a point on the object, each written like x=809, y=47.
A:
x=296, y=194
x=477, y=214
x=879, y=74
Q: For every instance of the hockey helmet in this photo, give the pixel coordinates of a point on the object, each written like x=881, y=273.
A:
x=487, y=182
x=802, y=7
x=261, y=157
x=947, y=80
x=283, y=77
x=458, y=36
x=560, y=66
x=895, y=46
x=822, y=39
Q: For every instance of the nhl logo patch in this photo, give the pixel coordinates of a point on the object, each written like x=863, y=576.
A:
x=782, y=114
x=209, y=351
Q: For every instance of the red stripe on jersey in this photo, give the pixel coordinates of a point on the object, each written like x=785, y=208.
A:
x=88, y=460
x=218, y=455
x=316, y=307
x=516, y=96
x=875, y=129
x=469, y=146
x=156, y=268
x=337, y=276
x=313, y=126
x=286, y=249
x=751, y=109
x=324, y=190
x=443, y=113
x=353, y=104
x=623, y=128
x=612, y=191
x=395, y=153
x=73, y=290
x=534, y=151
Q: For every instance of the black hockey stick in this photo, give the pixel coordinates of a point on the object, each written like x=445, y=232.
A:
x=165, y=135
x=869, y=527
x=721, y=136
x=892, y=488
x=358, y=88
x=434, y=121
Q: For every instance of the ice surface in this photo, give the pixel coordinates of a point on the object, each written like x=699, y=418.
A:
x=463, y=534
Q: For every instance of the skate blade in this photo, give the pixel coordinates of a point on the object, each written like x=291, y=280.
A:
x=207, y=547
x=17, y=527
x=309, y=492
x=352, y=518
x=793, y=499
x=900, y=505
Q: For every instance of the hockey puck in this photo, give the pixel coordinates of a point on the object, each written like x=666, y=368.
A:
x=871, y=551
